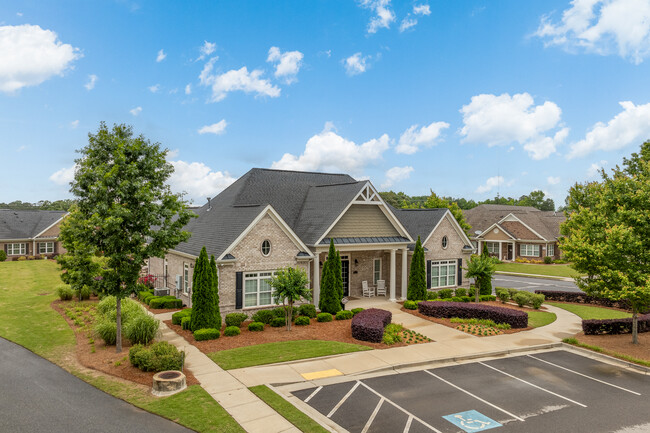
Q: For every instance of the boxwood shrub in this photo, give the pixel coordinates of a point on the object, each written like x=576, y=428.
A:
x=179, y=315
x=207, y=334
x=356, y=311
x=344, y=315
x=64, y=292
x=185, y=323
x=308, y=310
x=445, y=293
x=369, y=324
x=432, y=294
x=235, y=319
x=515, y=318
x=160, y=356
x=615, y=326
x=263, y=316
x=461, y=291
x=231, y=331
x=503, y=294
x=486, y=298
x=302, y=321
x=410, y=305
x=324, y=317
x=278, y=322
x=256, y=326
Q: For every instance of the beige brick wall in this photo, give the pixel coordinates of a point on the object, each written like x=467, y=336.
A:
x=31, y=248
x=454, y=248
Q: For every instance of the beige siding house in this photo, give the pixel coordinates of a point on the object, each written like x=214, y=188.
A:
x=270, y=219
x=30, y=233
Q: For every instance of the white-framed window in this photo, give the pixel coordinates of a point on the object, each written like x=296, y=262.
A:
x=529, y=250
x=45, y=247
x=443, y=273
x=445, y=242
x=15, y=249
x=266, y=247
x=550, y=250
x=186, y=277
x=492, y=247
x=257, y=289
x=376, y=267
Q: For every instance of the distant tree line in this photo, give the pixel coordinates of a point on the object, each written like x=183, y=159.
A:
x=39, y=205
x=536, y=199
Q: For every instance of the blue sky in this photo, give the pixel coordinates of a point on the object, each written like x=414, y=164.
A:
x=462, y=97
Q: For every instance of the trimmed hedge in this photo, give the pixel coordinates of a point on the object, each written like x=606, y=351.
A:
x=344, y=315
x=256, y=326
x=369, y=324
x=308, y=310
x=356, y=311
x=324, y=317
x=206, y=334
x=160, y=356
x=461, y=291
x=302, y=321
x=410, y=305
x=178, y=316
x=235, y=319
x=278, y=322
x=167, y=302
x=185, y=322
x=615, y=326
x=581, y=298
x=231, y=331
x=445, y=293
x=515, y=318
x=264, y=316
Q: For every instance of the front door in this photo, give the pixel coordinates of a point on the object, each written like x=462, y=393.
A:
x=509, y=251
x=345, y=271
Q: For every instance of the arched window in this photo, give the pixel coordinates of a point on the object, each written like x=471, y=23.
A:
x=266, y=247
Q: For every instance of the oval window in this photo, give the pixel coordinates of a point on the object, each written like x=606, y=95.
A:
x=444, y=241
x=266, y=247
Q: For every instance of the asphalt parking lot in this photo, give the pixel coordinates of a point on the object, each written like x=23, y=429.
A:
x=556, y=391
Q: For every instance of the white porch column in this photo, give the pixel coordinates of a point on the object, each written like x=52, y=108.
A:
x=500, y=249
x=392, y=275
x=404, y=271
x=315, y=279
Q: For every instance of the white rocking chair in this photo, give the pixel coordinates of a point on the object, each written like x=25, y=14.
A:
x=381, y=287
x=367, y=290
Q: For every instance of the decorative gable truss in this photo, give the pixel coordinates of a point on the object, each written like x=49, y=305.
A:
x=368, y=195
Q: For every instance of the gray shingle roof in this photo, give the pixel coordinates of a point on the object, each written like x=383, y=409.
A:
x=546, y=223
x=25, y=224
x=419, y=222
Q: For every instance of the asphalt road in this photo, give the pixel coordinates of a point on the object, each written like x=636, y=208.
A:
x=532, y=284
x=556, y=391
x=38, y=396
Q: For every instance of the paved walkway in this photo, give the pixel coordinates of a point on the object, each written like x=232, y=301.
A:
x=229, y=388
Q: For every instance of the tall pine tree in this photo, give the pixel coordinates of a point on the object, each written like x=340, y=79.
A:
x=417, y=285
x=203, y=314
x=215, y=291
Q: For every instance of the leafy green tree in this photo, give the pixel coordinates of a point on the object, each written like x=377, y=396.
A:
x=482, y=269
x=537, y=199
x=330, y=299
x=125, y=207
x=439, y=202
x=215, y=291
x=417, y=285
x=203, y=306
x=607, y=234
x=290, y=285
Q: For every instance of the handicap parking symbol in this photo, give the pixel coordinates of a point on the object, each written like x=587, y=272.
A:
x=471, y=421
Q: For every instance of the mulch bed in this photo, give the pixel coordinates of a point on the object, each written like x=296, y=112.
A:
x=448, y=323
x=621, y=344
x=104, y=358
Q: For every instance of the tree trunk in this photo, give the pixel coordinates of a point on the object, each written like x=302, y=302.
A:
x=477, y=290
x=635, y=327
x=289, y=315
x=118, y=334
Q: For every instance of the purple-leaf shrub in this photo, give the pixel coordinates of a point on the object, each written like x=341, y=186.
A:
x=368, y=325
x=614, y=326
x=515, y=318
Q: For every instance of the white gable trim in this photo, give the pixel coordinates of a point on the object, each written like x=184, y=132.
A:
x=450, y=217
x=495, y=225
x=511, y=217
x=268, y=210
x=369, y=195
x=51, y=225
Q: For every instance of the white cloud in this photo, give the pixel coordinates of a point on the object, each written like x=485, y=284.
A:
x=154, y=89
x=216, y=128
x=161, y=56
x=356, y=64
x=384, y=16
x=407, y=23
x=504, y=119
x=188, y=89
x=632, y=125
x=92, y=79
x=422, y=9
x=287, y=64
x=135, y=111
x=594, y=169
x=64, y=176
x=206, y=49
x=412, y=139
x=491, y=183
x=74, y=124
x=396, y=174
x=171, y=154
x=553, y=180
x=603, y=27
x=198, y=180
x=328, y=151
x=29, y=55
x=234, y=80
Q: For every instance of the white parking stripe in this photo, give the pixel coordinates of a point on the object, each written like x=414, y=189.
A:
x=475, y=396
x=407, y=427
x=533, y=385
x=584, y=375
x=313, y=394
x=372, y=417
x=411, y=416
x=345, y=397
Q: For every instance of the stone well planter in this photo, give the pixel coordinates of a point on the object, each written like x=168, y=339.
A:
x=167, y=383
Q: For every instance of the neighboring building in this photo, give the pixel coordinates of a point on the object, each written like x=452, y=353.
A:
x=30, y=233
x=509, y=232
x=270, y=219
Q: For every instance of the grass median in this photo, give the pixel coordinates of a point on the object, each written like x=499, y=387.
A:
x=537, y=269
x=588, y=312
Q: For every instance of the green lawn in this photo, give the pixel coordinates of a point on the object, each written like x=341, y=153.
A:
x=287, y=410
x=26, y=291
x=540, y=318
x=282, y=351
x=547, y=270
x=591, y=312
